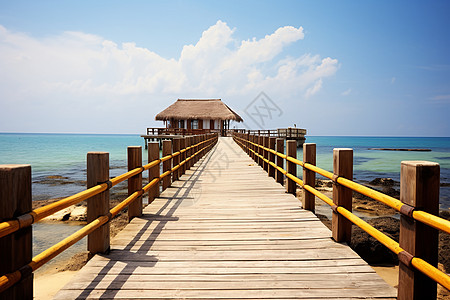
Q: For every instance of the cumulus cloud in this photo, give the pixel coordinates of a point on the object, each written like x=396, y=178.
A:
x=76, y=66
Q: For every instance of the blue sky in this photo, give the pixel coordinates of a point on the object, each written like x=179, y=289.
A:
x=333, y=67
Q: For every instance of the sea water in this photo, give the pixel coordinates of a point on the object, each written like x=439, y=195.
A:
x=369, y=164
x=58, y=162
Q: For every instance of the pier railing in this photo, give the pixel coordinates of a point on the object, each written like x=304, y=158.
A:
x=286, y=133
x=16, y=216
x=161, y=131
x=417, y=248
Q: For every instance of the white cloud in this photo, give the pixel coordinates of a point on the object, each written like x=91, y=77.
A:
x=442, y=98
x=346, y=92
x=77, y=67
x=314, y=89
x=393, y=79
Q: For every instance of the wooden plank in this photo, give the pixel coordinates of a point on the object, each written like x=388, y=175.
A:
x=225, y=230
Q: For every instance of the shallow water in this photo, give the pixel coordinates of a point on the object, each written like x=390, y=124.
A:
x=48, y=234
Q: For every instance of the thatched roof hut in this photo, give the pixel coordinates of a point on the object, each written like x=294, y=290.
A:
x=190, y=109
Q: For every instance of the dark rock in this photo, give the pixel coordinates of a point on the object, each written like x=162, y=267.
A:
x=383, y=181
x=372, y=251
x=444, y=244
x=390, y=191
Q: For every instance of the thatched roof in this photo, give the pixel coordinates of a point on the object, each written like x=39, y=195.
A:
x=184, y=109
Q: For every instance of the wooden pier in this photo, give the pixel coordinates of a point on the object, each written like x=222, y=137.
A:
x=225, y=230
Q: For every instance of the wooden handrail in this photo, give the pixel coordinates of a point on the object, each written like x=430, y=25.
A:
x=8, y=280
x=245, y=142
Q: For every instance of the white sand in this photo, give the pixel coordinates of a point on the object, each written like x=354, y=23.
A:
x=389, y=274
x=46, y=285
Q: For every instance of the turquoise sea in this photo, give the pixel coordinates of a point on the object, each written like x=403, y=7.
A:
x=63, y=156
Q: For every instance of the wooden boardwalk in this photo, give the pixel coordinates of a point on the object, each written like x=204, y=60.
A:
x=226, y=231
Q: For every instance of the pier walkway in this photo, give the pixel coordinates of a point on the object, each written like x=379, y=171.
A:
x=226, y=230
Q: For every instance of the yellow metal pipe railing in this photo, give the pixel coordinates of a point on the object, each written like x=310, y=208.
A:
x=39, y=260
x=429, y=219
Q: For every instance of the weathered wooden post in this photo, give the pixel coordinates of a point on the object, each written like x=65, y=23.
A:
x=191, y=162
x=291, y=168
x=279, y=177
x=342, y=196
x=194, y=150
x=260, y=151
x=419, y=189
x=183, y=155
x=266, y=153
x=16, y=248
x=188, y=153
x=153, y=154
x=271, y=146
x=176, y=159
x=135, y=182
x=167, y=165
x=252, y=155
x=98, y=205
x=248, y=145
x=309, y=177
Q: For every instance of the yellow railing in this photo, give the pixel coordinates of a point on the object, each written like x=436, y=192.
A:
x=258, y=152
x=196, y=150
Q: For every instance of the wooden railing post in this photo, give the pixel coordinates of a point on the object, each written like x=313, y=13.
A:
x=271, y=146
x=279, y=177
x=247, y=138
x=252, y=155
x=188, y=153
x=153, y=154
x=191, y=152
x=260, y=151
x=194, y=142
x=342, y=196
x=176, y=159
x=183, y=155
x=167, y=165
x=266, y=153
x=98, y=205
x=309, y=177
x=16, y=248
x=419, y=189
x=291, y=168
x=135, y=182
